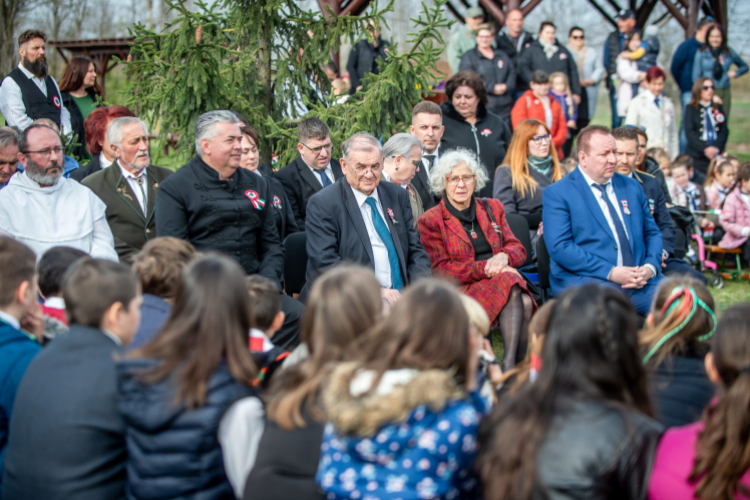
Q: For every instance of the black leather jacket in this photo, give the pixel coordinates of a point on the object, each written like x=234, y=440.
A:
x=594, y=451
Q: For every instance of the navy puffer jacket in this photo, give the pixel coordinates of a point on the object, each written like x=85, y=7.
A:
x=172, y=452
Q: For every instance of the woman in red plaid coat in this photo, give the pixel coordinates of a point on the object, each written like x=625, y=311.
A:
x=466, y=245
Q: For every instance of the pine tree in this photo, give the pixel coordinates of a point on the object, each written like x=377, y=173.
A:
x=245, y=56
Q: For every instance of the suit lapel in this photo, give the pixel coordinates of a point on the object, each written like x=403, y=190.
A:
x=151, y=186
x=453, y=224
x=621, y=194
x=356, y=216
x=308, y=176
x=122, y=188
x=385, y=201
x=422, y=175
x=591, y=202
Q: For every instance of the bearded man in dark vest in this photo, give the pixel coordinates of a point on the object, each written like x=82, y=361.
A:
x=29, y=92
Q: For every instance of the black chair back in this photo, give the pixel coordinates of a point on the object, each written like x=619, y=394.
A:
x=295, y=262
x=542, y=260
x=520, y=228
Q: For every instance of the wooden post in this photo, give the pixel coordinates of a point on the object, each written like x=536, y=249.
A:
x=692, y=18
x=494, y=10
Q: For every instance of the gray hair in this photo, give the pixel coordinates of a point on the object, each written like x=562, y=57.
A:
x=451, y=160
x=206, y=123
x=401, y=144
x=361, y=141
x=114, y=132
x=8, y=137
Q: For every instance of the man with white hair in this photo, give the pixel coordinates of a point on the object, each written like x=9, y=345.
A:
x=365, y=221
x=42, y=209
x=128, y=187
x=215, y=205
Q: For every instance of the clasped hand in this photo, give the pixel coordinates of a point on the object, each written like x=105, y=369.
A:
x=499, y=263
x=631, y=277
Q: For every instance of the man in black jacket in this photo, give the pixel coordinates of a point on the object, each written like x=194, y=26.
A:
x=614, y=45
x=513, y=40
x=67, y=436
x=547, y=54
x=312, y=170
x=427, y=126
x=365, y=221
x=215, y=205
x=363, y=58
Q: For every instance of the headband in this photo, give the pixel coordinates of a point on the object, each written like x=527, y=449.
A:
x=691, y=303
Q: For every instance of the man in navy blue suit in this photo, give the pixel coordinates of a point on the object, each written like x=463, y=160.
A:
x=626, y=140
x=598, y=226
x=362, y=220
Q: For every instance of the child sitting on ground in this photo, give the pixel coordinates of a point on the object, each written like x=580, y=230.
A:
x=50, y=272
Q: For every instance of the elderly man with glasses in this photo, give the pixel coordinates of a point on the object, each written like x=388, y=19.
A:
x=42, y=209
x=312, y=170
x=362, y=220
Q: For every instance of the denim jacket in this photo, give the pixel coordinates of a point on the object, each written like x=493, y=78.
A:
x=704, y=65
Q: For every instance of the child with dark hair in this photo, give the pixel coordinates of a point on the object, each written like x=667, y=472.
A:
x=50, y=272
x=17, y=348
x=67, y=437
x=267, y=316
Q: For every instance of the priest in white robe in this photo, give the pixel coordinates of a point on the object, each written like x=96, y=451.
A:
x=42, y=209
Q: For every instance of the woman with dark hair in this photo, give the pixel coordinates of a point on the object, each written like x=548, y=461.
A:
x=654, y=111
x=709, y=459
x=403, y=416
x=79, y=90
x=175, y=389
x=582, y=429
x=495, y=69
x=530, y=166
x=95, y=127
x=705, y=125
x=537, y=104
x=250, y=160
x=548, y=55
x=713, y=61
x=470, y=125
x=674, y=344
x=344, y=303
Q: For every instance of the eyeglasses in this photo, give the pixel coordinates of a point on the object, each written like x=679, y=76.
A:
x=319, y=148
x=466, y=179
x=577, y=37
x=539, y=138
x=708, y=87
x=415, y=162
x=375, y=169
x=47, y=152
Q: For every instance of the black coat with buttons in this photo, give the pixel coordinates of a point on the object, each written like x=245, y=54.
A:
x=694, y=121
x=234, y=217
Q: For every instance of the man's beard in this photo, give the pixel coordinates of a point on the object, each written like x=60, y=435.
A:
x=133, y=165
x=38, y=68
x=39, y=174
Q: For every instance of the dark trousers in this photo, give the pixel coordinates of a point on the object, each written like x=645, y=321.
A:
x=678, y=267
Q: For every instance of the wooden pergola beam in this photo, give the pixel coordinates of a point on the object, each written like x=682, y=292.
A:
x=529, y=6
x=672, y=8
x=494, y=10
x=455, y=12
x=603, y=12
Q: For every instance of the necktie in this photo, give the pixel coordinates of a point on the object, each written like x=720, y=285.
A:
x=627, y=254
x=397, y=281
x=430, y=160
x=656, y=101
x=323, y=178
x=139, y=181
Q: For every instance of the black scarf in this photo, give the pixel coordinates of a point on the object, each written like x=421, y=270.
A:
x=718, y=70
x=468, y=219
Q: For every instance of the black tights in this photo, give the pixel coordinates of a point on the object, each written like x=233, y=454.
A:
x=514, y=321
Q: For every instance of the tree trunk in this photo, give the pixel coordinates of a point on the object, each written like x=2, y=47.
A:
x=10, y=11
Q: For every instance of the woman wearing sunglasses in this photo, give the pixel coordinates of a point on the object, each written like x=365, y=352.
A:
x=705, y=125
x=530, y=165
x=470, y=242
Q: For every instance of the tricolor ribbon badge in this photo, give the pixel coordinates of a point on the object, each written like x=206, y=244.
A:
x=651, y=205
x=258, y=202
x=56, y=101
x=625, y=207
x=393, y=217
x=277, y=202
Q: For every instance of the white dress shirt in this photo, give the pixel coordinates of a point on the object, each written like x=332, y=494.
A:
x=104, y=162
x=11, y=320
x=13, y=109
x=328, y=170
x=379, y=251
x=426, y=162
x=140, y=195
x=117, y=340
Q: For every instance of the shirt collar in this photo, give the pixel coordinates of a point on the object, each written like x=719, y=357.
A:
x=130, y=175
x=114, y=337
x=361, y=197
x=55, y=303
x=327, y=166
x=103, y=161
x=28, y=73
x=591, y=181
x=11, y=320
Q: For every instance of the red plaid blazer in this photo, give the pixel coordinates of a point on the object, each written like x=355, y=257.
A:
x=452, y=254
